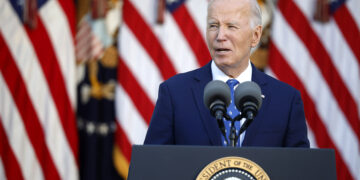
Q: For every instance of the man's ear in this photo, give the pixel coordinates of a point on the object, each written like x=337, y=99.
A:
x=256, y=36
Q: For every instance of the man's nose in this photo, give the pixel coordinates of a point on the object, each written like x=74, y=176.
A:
x=221, y=35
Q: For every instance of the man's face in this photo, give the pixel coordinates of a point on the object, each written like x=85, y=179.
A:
x=229, y=34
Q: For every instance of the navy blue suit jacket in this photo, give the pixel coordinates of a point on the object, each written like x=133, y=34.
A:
x=180, y=116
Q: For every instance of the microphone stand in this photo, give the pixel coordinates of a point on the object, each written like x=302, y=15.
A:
x=219, y=114
x=227, y=117
x=249, y=116
x=233, y=136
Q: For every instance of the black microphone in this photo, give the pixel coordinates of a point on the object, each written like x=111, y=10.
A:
x=248, y=101
x=216, y=98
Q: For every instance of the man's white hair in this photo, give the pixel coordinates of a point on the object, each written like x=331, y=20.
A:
x=256, y=19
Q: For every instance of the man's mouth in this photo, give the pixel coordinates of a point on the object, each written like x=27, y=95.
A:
x=222, y=50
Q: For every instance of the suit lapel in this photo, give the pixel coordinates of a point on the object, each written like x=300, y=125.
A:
x=202, y=77
x=259, y=78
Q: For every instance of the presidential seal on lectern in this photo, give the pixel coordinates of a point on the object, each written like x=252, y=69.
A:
x=232, y=168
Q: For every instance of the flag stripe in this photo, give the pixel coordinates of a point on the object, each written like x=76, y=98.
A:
x=312, y=137
x=147, y=11
x=197, y=10
x=349, y=30
x=137, y=94
x=83, y=36
x=88, y=45
x=50, y=66
x=96, y=47
x=12, y=168
x=322, y=59
x=151, y=44
x=284, y=72
x=63, y=47
x=123, y=142
x=69, y=9
x=150, y=77
x=18, y=139
x=84, y=53
x=129, y=117
x=353, y=7
x=192, y=34
x=83, y=30
x=2, y=171
x=30, y=119
x=172, y=40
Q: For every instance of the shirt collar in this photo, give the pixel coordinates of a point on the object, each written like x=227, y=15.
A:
x=217, y=74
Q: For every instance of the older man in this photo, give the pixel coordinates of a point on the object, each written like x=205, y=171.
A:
x=180, y=117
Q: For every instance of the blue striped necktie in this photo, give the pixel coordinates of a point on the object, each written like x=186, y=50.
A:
x=231, y=111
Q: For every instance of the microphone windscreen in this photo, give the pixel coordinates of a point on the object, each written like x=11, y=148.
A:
x=247, y=91
x=216, y=90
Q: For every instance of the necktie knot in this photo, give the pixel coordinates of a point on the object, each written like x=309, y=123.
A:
x=231, y=110
x=232, y=83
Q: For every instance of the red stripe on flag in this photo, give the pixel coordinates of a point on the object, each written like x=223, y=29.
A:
x=148, y=40
x=348, y=28
x=122, y=141
x=192, y=34
x=11, y=165
x=293, y=15
x=51, y=69
x=135, y=91
x=69, y=9
x=284, y=72
x=28, y=114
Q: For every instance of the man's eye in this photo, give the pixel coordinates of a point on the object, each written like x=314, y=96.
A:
x=232, y=27
x=212, y=26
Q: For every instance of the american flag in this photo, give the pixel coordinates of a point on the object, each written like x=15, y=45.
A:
x=38, y=135
x=151, y=52
x=320, y=58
